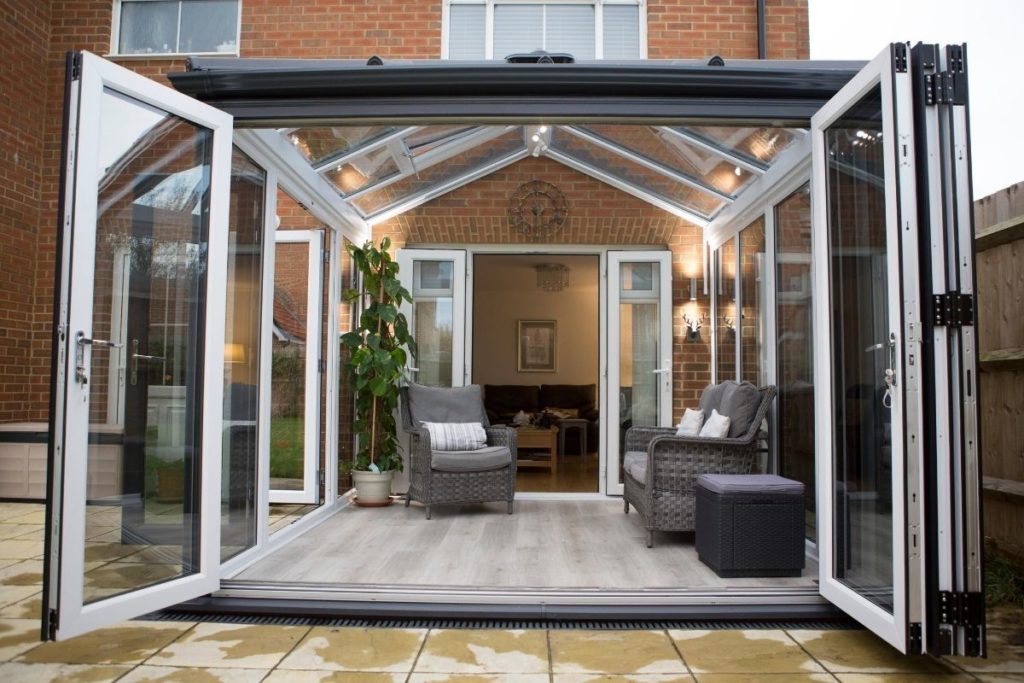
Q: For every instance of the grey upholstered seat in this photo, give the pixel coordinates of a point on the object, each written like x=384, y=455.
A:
x=483, y=475
x=482, y=460
x=661, y=469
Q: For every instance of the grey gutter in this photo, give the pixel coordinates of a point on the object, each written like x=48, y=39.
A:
x=271, y=92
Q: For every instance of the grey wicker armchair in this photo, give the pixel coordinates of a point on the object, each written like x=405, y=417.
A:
x=438, y=477
x=660, y=469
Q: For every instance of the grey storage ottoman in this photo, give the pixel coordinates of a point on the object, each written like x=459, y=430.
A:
x=750, y=524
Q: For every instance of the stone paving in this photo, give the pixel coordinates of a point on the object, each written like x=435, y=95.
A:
x=209, y=653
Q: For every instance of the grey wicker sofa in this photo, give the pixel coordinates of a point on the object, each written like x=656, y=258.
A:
x=660, y=469
x=438, y=477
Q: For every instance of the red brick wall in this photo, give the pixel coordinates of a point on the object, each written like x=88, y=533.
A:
x=37, y=33
x=25, y=29
x=598, y=214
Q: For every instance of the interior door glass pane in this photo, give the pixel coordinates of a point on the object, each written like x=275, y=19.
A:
x=518, y=29
x=148, y=27
x=621, y=32
x=862, y=427
x=725, y=292
x=466, y=32
x=242, y=356
x=208, y=26
x=752, y=318
x=570, y=28
x=639, y=355
x=288, y=376
x=145, y=393
x=795, y=346
x=433, y=321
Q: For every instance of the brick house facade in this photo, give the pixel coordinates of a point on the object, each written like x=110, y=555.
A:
x=38, y=33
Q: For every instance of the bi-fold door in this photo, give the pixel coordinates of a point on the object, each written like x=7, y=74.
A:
x=895, y=402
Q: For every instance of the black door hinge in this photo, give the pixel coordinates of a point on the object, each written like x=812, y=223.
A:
x=51, y=625
x=961, y=608
x=899, y=57
x=321, y=365
x=952, y=309
x=76, y=66
x=914, y=644
x=937, y=88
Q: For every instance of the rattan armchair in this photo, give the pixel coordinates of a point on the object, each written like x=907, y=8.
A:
x=482, y=481
x=668, y=465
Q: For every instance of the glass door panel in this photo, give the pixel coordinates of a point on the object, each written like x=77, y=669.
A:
x=242, y=353
x=726, y=314
x=794, y=346
x=639, y=350
x=752, y=318
x=437, y=281
x=295, y=375
x=139, y=380
x=867, y=396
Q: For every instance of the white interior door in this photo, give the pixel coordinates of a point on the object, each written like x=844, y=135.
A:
x=145, y=194
x=297, y=336
x=436, y=279
x=868, y=320
x=639, y=351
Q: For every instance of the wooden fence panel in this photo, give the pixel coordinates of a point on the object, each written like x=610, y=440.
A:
x=999, y=230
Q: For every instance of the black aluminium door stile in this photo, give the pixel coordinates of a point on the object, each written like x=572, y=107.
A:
x=955, y=587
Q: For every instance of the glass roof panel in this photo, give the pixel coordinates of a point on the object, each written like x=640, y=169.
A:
x=761, y=145
x=316, y=144
x=430, y=177
x=642, y=178
x=362, y=171
x=431, y=137
x=675, y=153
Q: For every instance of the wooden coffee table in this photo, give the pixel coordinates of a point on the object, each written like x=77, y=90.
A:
x=538, y=439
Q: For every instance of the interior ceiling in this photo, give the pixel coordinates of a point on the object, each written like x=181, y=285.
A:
x=691, y=171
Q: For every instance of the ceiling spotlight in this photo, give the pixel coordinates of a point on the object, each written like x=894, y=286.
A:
x=738, y=171
x=542, y=130
x=535, y=138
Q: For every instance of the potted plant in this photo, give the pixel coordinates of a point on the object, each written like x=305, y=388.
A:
x=378, y=351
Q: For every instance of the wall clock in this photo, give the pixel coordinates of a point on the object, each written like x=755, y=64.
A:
x=537, y=209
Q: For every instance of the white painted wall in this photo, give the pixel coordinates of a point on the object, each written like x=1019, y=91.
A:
x=505, y=291
x=992, y=30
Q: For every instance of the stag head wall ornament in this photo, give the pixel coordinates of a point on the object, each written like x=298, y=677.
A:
x=693, y=325
x=729, y=324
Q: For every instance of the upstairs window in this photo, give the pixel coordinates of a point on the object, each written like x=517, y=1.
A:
x=168, y=27
x=594, y=29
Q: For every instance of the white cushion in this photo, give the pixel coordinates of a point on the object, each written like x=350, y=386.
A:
x=456, y=436
x=716, y=427
x=691, y=423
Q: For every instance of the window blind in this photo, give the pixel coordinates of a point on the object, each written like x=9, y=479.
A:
x=518, y=28
x=622, y=32
x=466, y=29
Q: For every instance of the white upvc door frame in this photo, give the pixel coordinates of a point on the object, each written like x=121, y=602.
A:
x=310, y=492
x=610, y=429
x=461, y=305
x=65, y=564
x=904, y=323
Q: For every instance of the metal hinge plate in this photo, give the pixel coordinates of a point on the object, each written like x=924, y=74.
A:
x=899, y=57
x=961, y=609
x=952, y=309
x=914, y=644
x=937, y=88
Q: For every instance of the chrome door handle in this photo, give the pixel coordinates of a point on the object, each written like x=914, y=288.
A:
x=660, y=371
x=136, y=357
x=81, y=341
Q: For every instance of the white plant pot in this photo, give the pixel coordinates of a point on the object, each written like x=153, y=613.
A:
x=373, y=489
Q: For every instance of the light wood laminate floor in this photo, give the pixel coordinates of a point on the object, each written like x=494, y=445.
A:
x=545, y=544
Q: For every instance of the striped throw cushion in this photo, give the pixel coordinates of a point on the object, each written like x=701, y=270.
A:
x=456, y=436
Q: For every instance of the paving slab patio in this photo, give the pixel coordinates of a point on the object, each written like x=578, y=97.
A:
x=187, y=652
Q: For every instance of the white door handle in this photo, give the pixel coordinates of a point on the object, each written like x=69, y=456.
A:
x=660, y=371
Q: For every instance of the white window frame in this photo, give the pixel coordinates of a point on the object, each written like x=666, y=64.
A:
x=489, y=5
x=115, y=36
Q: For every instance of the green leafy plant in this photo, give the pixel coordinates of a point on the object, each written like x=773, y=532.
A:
x=379, y=348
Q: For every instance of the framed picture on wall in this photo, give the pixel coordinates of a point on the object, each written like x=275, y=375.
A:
x=537, y=345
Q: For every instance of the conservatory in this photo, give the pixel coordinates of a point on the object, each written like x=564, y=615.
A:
x=595, y=242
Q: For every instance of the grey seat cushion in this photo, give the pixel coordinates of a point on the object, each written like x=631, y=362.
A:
x=443, y=404
x=635, y=463
x=482, y=460
x=739, y=402
x=748, y=483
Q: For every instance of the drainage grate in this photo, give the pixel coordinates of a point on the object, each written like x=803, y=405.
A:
x=553, y=624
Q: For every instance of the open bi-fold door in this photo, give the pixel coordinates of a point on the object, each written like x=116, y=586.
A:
x=895, y=405
x=133, y=515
